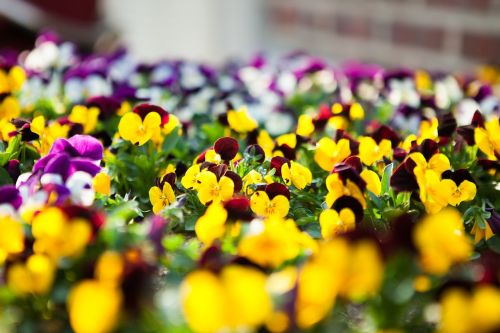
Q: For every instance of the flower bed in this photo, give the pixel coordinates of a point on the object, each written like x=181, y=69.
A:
x=270, y=196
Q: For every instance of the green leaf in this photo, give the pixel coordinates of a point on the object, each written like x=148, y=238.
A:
x=4, y=177
x=386, y=177
x=11, y=152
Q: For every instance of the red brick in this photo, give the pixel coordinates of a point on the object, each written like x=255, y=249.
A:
x=354, y=26
x=482, y=47
x=419, y=36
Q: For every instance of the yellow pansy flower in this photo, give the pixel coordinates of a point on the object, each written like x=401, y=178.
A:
x=9, y=108
x=328, y=153
x=211, y=225
x=6, y=127
x=212, y=190
x=370, y=151
x=11, y=237
x=334, y=223
x=57, y=236
x=435, y=193
x=305, y=126
x=289, y=139
x=266, y=142
x=428, y=130
x=190, y=179
x=236, y=299
x=466, y=191
x=240, y=121
x=488, y=138
x=464, y=312
x=94, y=306
x=441, y=241
x=356, y=112
x=132, y=128
x=33, y=277
x=13, y=80
x=47, y=134
x=87, y=117
x=372, y=180
x=161, y=198
x=336, y=188
x=273, y=241
x=102, y=183
x=296, y=174
x=253, y=177
x=263, y=206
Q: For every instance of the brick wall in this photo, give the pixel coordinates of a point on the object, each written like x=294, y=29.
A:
x=433, y=34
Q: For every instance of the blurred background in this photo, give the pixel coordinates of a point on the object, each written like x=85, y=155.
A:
x=431, y=34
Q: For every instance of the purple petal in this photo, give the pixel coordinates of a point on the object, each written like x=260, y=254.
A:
x=9, y=194
x=87, y=146
x=59, y=164
x=80, y=164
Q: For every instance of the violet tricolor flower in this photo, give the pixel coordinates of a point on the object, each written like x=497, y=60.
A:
x=10, y=195
x=79, y=153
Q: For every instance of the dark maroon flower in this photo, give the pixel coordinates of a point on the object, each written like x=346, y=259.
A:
x=13, y=168
x=276, y=164
x=143, y=109
x=275, y=189
x=227, y=148
x=347, y=172
x=24, y=128
x=213, y=259
x=218, y=170
x=255, y=151
x=354, y=205
x=355, y=163
x=238, y=183
x=427, y=148
x=287, y=151
x=10, y=195
x=403, y=179
x=238, y=208
x=458, y=176
x=399, y=154
x=447, y=125
x=385, y=132
x=107, y=105
x=168, y=178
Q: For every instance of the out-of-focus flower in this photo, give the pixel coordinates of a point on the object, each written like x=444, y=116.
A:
x=240, y=121
x=47, y=134
x=370, y=151
x=273, y=241
x=211, y=225
x=234, y=300
x=87, y=117
x=13, y=80
x=102, y=183
x=334, y=223
x=372, y=180
x=441, y=241
x=35, y=276
x=328, y=153
x=6, y=129
x=296, y=174
x=58, y=236
x=463, y=312
x=11, y=237
x=94, y=306
x=488, y=138
x=354, y=271
x=305, y=126
x=132, y=128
